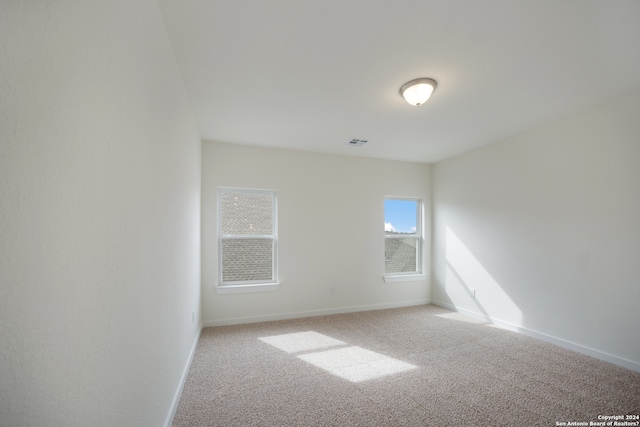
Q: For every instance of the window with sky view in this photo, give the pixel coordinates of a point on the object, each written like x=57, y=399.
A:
x=402, y=227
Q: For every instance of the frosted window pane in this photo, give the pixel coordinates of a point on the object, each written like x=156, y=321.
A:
x=247, y=213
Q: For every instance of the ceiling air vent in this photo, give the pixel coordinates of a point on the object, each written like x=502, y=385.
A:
x=357, y=142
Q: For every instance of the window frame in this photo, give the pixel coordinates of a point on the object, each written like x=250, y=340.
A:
x=248, y=285
x=418, y=274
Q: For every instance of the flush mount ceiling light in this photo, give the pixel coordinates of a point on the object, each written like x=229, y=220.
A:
x=417, y=91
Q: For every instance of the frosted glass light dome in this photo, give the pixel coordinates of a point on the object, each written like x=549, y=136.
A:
x=418, y=91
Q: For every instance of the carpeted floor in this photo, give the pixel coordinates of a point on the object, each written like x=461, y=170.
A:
x=416, y=366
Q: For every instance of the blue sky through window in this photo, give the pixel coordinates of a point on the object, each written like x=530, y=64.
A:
x=400, y=215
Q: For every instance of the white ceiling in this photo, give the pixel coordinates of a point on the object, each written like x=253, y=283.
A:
x=313, y=74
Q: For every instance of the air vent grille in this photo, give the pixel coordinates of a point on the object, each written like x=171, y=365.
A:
x=357, y=142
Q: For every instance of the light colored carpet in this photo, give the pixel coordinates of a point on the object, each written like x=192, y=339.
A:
x=416, y=366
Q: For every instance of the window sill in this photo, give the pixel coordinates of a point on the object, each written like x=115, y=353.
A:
x=405, y=278
x=241, y=289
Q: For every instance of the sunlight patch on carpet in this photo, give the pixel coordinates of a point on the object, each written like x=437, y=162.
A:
x=356, y=364
x=301, y=341
x=351, y=363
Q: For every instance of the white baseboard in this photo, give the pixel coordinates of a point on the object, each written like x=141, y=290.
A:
x=183, y=380
x=312, y=313
x=629, y=364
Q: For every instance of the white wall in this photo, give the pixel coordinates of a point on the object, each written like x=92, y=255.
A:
x=99, y=215
x=331, y=234
x=545, y=227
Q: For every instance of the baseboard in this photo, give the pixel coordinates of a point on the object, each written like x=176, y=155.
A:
x=629, y=364
x=183, y=380
x=312, y=313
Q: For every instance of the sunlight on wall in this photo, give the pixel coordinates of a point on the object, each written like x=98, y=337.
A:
x=469, y=285
x=351, y=363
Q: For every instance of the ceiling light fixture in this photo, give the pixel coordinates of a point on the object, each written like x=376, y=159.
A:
x=417, y=91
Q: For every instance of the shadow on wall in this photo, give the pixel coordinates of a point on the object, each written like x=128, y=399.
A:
x=469, y=285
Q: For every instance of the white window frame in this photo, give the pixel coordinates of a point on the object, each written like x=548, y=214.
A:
x=418, y=274
x=248, y=285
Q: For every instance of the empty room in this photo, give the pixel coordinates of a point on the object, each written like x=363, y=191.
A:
x=319, y=213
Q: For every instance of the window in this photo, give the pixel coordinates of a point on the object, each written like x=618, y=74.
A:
x=247, y=237
x=403, y=236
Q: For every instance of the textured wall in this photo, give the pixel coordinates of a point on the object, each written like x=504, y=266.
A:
x=545, y=227
x=99, y=215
